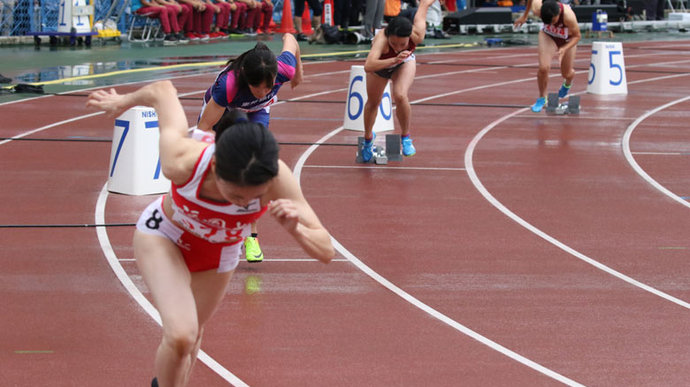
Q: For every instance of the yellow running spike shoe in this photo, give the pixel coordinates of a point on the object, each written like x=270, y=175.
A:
x=252, y=250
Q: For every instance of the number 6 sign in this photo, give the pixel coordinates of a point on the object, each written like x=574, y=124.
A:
x=607, y=69
x=357, y=97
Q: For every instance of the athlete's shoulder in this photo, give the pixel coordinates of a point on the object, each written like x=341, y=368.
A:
x=569, y=16
x=287, y=57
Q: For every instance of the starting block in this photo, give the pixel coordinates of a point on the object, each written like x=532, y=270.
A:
x=553, y=105
x=391, y=152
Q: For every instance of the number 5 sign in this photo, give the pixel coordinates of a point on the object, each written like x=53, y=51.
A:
x=607, y=69
x=357, y=97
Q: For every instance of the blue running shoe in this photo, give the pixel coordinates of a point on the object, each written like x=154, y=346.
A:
x=563, y=91
x=368, y=149
x=541, y=101
x=407, y=147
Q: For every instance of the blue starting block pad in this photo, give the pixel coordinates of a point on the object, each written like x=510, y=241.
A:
x=391, y=152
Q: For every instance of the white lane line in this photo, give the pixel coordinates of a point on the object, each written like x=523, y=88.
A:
x=661, y=153
x=117, y=268
x=416, y=302
x=129, y=285
x=469, y=153
x=267, y=260
x=42, y=128
x=302, y=260
x=107, y=249
x=433, y=312
x=631, y=160
x=382, y=167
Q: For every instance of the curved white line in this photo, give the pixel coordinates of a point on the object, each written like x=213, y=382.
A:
x=633, y=162
x=475, y=180
x=469, y=165
x=109, y=252
x=416, y=302
x=115, y=264
x=126, y=281
x=113, y=260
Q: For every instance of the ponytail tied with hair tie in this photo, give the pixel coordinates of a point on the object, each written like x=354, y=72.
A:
x=230, y=117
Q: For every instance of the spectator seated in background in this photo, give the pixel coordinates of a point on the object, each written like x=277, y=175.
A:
x=167, y=16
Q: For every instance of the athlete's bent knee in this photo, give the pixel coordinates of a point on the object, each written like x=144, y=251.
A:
x=372, y=103
x=181, y=341
x=544, y=69
x=399, y=98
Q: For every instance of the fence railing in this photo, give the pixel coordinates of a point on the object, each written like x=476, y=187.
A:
x=19, y=17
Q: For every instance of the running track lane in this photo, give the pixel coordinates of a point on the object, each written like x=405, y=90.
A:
x=459, y=292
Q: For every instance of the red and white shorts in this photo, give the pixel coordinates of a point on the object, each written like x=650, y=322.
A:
x=199, y=254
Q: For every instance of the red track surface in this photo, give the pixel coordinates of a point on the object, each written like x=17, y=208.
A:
x=537, y=246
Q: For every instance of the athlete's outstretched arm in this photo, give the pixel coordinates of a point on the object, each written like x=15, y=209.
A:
x=532, y=5
x=210, y=116
x=290, y=44
x=176, y=148
x=419, y=22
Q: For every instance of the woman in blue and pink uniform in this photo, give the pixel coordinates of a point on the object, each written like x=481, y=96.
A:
x=250, y=83
x=187, y=243
x=391, y=58
x=559, y=35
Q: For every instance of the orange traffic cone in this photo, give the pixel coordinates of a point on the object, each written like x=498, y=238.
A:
x=286, y=26
x=306, y=20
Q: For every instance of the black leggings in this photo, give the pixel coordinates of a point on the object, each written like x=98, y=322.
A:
x=315, y=6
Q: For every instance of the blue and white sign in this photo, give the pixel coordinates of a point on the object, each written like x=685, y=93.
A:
x=75, y=14
x=607, y=69
x=357, y=97
x=135, y=166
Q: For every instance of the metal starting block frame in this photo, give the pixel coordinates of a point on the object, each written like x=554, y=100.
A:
x=553, y=106
x=391, y=152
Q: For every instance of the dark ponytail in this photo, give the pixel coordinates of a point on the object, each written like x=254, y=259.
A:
x=229, y=118
x=400, y=26
x=255, y=67
x=246, y=154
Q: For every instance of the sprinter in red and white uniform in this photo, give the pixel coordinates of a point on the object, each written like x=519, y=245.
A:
x=559, y=35
x=187, y=243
